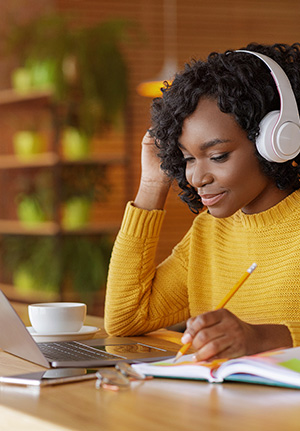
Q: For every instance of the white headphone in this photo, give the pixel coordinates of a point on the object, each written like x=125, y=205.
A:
x=279, y=137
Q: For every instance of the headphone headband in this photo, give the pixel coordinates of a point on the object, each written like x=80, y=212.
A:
x=279, y=138
x=289, y=106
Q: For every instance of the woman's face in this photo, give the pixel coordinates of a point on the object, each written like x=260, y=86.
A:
x=221, y=164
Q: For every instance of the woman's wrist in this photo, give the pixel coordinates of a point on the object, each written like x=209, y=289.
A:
x=152, y=195
x=268, y=337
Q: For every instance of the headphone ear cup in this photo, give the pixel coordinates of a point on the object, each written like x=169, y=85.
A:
x=264, y=141
x=280, y=146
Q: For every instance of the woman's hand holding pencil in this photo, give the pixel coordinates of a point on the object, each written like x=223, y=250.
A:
x=217, y=333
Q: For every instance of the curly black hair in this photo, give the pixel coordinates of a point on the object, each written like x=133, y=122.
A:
x=243, y=86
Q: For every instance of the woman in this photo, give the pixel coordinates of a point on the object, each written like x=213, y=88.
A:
x=205, y=127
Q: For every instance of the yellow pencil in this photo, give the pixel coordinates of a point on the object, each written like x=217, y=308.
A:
x=222, y=304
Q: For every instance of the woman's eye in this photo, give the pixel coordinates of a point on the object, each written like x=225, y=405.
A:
x=220, y=158
x=188, y=159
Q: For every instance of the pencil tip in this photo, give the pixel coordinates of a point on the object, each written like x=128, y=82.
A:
x=179, y=354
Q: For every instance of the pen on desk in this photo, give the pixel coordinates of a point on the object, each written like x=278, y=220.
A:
x=222, y=304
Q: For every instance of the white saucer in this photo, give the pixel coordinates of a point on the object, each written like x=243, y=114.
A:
x=84, y=333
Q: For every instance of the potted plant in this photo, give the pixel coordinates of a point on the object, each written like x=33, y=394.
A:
x=28, y=258
x=79, y=261
x=75, y=144
x=84, y=66
x=81, y=186
x=35, y=198
x=86, y=72
x=27, y=143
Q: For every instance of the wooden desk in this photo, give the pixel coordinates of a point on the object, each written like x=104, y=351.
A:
x=158, y=404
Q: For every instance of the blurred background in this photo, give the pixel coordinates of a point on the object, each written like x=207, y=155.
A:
x=74, y=106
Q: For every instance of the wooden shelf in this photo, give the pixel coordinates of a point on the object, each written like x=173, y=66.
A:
x=35, y=296
x=28, y=297
x=93, y=229
x=15, y=227
x=51, y=159
x=11, y=96
x=12, y=103
x=12, y=161
x=98, y=159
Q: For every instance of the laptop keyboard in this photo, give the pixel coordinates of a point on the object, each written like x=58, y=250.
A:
x=72, y=351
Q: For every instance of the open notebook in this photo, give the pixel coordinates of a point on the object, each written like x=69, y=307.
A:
x=277, y=368
x=16, y=339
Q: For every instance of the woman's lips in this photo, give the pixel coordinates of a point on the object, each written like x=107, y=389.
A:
x=209, y=200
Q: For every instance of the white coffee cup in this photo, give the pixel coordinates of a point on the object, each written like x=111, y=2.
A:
x=57, y=317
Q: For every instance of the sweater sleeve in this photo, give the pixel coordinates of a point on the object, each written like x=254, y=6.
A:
x=141, y=297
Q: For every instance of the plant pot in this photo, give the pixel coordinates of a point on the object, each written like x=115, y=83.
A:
x=42, y=74
x=76, y=212
x=75, y=144
x=21, y=80
x=25, y=282
x=27, y=143
x=29, y=211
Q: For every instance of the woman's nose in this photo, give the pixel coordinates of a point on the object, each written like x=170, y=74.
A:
x=199, y=176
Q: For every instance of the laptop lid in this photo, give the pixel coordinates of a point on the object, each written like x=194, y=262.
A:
x=16, y=339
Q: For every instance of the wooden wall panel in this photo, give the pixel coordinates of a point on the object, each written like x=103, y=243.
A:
x=202, y=27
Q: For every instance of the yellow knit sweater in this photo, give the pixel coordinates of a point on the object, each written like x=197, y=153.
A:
x=203, y=267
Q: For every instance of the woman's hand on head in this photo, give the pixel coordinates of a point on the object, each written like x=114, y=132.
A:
x=154, y=183
x=221, y=334
x=151, y=170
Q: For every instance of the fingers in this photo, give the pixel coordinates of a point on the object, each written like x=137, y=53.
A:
x=207, y=335
x=148, y=139
x=154, y=182
x=214, y=349
x=216, y=334
x=205, y=320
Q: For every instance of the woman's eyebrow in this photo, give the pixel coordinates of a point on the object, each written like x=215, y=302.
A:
x=208, y=144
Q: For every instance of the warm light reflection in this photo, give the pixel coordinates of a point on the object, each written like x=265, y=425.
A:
x=151, y=88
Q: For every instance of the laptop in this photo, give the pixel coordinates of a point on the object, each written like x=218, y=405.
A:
x=16, y=339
